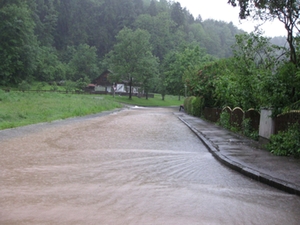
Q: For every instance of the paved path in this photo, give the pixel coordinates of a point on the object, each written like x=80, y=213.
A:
x=243, y=155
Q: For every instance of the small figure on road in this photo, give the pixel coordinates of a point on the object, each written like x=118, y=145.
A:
x=181, y=107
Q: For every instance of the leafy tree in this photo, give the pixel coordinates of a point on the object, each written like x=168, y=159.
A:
x=163, y=6
x=81, y=83
x=256, y=62
x=69, y=86
x=193, y=60
x=160, y=29
x=181, y=66
x=225, y=83
x=219, y=37
x=149, y=71
x=17, y=43
x=172, y=75
x=138, y=6
x=78, y=23
x=131, y=59
x=46, y=21
x=84, y=63
x=286, y=12
x=152, y=8
x=175, y=66
x=177, y=14
x=49, y=67
x=250, y=79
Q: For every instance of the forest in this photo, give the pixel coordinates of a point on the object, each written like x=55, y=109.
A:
x=51, y=40
x=157, y=44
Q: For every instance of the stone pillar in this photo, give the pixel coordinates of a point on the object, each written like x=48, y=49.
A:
x=266, y=125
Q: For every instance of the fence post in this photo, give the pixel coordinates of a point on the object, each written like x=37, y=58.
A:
x=266, y=125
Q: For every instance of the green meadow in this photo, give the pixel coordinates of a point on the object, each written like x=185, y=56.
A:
x=24, y=108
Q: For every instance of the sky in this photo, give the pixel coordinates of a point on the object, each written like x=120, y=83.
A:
x=220, y=10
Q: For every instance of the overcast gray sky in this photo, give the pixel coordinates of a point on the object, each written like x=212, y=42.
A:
x=220, y=10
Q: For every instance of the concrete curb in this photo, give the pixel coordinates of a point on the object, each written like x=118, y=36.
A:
x=247, y=171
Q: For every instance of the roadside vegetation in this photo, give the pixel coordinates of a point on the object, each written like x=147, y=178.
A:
x=157, y=101
x=286, y=143
x=24, y=108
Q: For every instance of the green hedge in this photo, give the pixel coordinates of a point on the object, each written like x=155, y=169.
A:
x=188, y=104
x=194, y=105
x=197, y=106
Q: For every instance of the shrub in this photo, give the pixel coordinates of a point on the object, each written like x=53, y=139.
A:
x=225, y=120
x=188, y=107
x=248, y=131
x=41, y=85
x=24, y=86
x=69, y=86
x=185, y=103
x=286, y=143
x=197, y=106
x=54, y=86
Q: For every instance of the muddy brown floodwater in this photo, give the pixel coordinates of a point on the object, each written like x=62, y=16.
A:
x=137, y=166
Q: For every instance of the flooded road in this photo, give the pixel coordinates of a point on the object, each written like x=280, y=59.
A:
x=137, y=166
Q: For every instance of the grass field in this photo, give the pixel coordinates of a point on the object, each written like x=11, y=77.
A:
x=151, y=102
x=24, y=108
x=19, y=109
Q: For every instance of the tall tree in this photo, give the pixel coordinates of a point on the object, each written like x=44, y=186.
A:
x=152, y=8
x=84, y=63
x=286, y=12
x=46, y=21
x=17, y=43
x=177, y=14
x=138, y=6
x=49, y=68
x=131, y=58
x=159, y=27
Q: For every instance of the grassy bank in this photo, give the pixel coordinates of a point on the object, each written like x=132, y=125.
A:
x=19, y=109
x=24, y=108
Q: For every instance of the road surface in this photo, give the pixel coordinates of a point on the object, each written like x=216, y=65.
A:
x=136, y=166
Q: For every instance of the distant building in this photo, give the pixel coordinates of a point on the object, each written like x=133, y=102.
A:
x=102, y=85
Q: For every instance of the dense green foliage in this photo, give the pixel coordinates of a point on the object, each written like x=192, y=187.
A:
x=258, y=75
x=57, y=40
x=197, y=106
x=225, y=120
x=194, y=105
x=18, y=44
x=286, y=143
x=131, y=59
x=287, y=12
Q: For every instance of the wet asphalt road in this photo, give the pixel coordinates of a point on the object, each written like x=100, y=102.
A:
x=136, y=166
